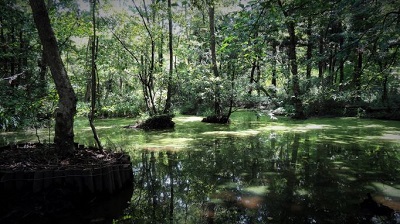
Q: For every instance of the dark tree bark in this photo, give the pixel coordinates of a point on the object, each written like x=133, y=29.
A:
x=309, y=52
x=211, y=14
x=252, y=80
x=357, y=74
x=298, y=106
x=258, y=79
x=255, y=76
x=167, y=108
x=321, y=61
x=12, y=61
x=255, y=65
x=332, y=63
x=274, y=53
x=65, y=112
x=385, y=94
x=3, y=61
x=94, y=78
x=341, y=64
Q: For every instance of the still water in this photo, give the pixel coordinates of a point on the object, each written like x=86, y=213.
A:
x=254, y=171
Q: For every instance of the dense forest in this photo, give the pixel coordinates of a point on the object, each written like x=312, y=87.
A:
x=125, y=58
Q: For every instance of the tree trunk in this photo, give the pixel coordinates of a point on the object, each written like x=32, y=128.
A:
x=3, y=61
x=309, y=52
x=298, y=106
x=332, y=63
x=211, y=14
x=321, y=61
x=150, y=83
x=274, y=53
x=42, y=75
x=253, y=69
x=93, y=76
x=167, y=108
x=357, y=74
x=385, y=89
x=65, y=112
x=147, y=76
x=12, y=61
x=22, y=55
x=341, y=64
x=258, y=79
x=88, y=86
x=232, y=70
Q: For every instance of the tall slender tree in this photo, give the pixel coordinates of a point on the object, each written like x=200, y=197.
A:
x=168, y=103
x=292, y=56
x=94, y=77
x=214, y=66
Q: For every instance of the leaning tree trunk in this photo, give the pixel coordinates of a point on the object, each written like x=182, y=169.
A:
x=65, y=112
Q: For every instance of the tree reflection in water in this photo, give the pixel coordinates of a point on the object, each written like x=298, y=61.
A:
x=279, y=178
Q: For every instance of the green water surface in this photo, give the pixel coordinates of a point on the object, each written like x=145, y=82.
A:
x=252, y=171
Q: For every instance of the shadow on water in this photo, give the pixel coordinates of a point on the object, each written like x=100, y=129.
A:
x=313, y=171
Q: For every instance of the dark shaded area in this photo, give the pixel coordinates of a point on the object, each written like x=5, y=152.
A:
x=41, y=184
x=37, y=156
x=157, y=122
x=60, y=205
x=383, y=113
x=371, y=207
x=216, y=119
x=330, y=107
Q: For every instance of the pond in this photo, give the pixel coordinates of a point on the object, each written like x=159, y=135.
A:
x=254, y=170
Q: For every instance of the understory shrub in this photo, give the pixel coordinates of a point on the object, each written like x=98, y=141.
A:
x=319, y=102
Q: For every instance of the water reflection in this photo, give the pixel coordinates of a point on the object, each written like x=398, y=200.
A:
x=314, y=171
x=264, y=178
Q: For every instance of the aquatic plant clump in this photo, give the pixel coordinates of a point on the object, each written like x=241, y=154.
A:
x=163, y=121
x=216, y=119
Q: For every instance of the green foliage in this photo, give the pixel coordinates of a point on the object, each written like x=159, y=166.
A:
x=23, y=89
x=251, y=38
x=19, y=110
x=330, y=102
x=121, y=106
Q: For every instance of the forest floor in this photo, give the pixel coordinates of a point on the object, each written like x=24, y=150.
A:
x=31, y=157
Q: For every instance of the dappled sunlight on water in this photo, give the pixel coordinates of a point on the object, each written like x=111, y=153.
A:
x=391, y=136
x=232, y=133
x=184, y=119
